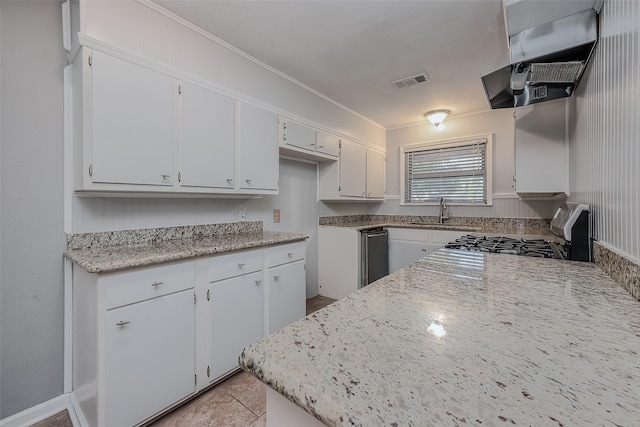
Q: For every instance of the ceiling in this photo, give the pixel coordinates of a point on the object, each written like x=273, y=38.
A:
x=350, y=51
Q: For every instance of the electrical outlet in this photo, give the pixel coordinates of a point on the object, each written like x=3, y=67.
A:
x=276, y=216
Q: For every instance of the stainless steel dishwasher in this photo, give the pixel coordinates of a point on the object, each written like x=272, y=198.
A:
x=374, y=255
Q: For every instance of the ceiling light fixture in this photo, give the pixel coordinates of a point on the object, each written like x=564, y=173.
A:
x=436, y=117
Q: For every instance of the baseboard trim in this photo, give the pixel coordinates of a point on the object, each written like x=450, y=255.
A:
x=42, y=411
x=37, y=413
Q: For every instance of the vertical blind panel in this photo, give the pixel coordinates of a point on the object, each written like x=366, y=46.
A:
x=457, y=173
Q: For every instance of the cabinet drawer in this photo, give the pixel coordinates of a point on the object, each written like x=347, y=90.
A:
x=412, y=234
x=286, y=253
x=146, y=283
x=235, y=264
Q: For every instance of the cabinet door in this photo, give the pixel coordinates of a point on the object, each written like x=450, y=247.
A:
x=258, y=148
x=236, y=320
x=207, y=138
x=287, y=295
x=404, y=252
x=132, y=113
x=149, y=357
x=375, y=174
x=353, y=169
x=299, y=135
x=327, y=144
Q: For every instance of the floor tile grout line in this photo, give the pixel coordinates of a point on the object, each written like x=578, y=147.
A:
x=249, y=409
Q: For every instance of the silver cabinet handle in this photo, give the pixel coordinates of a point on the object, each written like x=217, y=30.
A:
x=290, y=254
x=229, y=180
x=122, y=323
x=258, y=282
x=164, y=176
x=240, y=264
x=320, y=146
x=284, y=137
x=276, y=277
x=311, y=145
x=284, y=125
x=368, y=194
x=154, y=284
x=248, y=181
x=423, y=250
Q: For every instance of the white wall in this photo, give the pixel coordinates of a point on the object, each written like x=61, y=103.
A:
x=605, y=130
x=32, y=238
x=505, y=202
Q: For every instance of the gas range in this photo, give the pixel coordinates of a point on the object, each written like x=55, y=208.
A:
x=507, y=245
x=570, y=223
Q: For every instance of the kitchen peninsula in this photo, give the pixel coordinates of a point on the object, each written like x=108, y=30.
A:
x=463, y=338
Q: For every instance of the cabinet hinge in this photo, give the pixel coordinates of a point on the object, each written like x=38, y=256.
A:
x=90, y=60
x=90, y=170
x=195, y=379
x=208, y=371
x=339, y=188
x=194, y=298
x=208, y=295
x=179, y=176
x=179, y=89
x=340, y=144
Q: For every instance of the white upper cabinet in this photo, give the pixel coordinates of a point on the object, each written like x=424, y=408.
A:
x=298, y=140
x=327, y=144
x=358, y=175
x=298, y=135
x=353, y=169
x=132, y=117
x=207, y=138
x=258, y=148
x=375, y=174
x=541, y=157
x=140, y=127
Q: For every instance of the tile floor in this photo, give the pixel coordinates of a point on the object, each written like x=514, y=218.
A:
x=238, y=401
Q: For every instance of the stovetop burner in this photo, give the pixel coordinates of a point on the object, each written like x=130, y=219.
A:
x=506, y=245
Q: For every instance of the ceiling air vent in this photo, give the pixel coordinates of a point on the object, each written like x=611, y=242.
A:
x=411, y=81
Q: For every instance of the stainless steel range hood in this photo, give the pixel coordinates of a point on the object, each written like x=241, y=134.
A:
x=543, y=63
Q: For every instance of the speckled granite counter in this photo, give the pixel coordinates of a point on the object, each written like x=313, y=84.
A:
x=103, y=259
x=528, y=341
x=506, y=226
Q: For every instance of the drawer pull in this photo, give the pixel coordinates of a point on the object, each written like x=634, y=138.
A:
x=240, y=264
x=276, y=277
x=423, y=250
x=258, y=282
x=122, y=323
x=154, y=284
x=290, y=254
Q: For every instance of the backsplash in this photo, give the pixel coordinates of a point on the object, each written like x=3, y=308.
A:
x=536, y=226
x=148, y=236
x=619, y=267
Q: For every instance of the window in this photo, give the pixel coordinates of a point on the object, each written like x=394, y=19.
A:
x=457, y=170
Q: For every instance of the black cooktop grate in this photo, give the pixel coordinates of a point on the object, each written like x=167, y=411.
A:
x=505, y=245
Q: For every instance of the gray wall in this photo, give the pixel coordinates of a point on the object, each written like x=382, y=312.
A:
x=32, y=238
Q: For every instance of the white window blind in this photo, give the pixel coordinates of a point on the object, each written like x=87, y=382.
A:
x=456, y=172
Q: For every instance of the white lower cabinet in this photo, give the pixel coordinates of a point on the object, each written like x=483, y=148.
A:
x=407, y=245
x=235, y=313
x=287, y=294
x=149, y=357
x=147, y=338
x=133, y=342
x=287, y=282
x=404, y=252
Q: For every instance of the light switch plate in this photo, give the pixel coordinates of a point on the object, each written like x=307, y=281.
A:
x=276, y=216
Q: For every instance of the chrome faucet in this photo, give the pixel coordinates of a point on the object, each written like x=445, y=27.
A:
x=444, y=211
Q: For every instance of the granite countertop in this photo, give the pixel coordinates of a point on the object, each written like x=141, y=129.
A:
x=512, y=227
x=119, y=257
x=528, y=341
